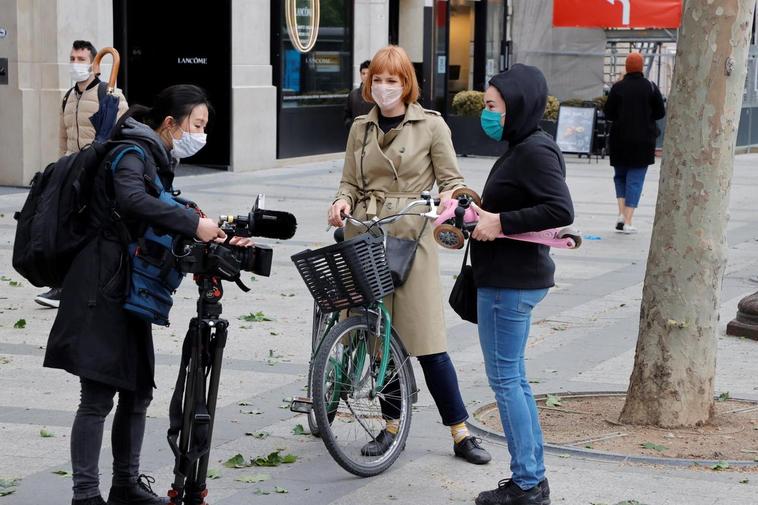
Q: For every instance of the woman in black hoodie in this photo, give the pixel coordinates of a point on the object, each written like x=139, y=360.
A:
x=525, y=191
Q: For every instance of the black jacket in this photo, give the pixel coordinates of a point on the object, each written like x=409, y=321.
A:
x=356, y=106
x=634, y=104
x=93, y=336
x=526, y=186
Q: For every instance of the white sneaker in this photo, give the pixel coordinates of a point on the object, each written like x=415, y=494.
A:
x=629, y=229
x=620, y=223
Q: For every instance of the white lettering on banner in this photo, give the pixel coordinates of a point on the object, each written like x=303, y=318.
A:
x=626, y=14
x=303, y=38
x=192, y=61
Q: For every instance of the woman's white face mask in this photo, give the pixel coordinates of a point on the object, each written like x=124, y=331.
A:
x=386, y=96
x=188, y=145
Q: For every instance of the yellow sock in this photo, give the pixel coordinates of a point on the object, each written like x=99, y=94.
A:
x=459, y=432
x=393, y=426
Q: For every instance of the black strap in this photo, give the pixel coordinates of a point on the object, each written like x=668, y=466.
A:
x=465, y=256
x=65, y=99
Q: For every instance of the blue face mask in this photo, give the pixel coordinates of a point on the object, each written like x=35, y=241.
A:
x=490, y=122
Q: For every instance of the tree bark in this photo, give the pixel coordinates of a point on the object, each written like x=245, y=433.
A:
x=672, y=383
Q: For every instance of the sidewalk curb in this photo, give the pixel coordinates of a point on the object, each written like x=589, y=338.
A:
x=485, y=433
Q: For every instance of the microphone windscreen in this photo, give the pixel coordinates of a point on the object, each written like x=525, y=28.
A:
x=273, y=224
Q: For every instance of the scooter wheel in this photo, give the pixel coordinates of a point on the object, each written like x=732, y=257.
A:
x=468, y=192
x=577, y=241
x=449, y=237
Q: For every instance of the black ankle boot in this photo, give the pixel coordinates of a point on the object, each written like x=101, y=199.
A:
x=545, y=488
x=470, y=450
x=380, y=445
x=138, y=493
x=95, y=500
x=508, y=493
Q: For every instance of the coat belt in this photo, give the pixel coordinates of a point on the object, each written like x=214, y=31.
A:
x=376, y=198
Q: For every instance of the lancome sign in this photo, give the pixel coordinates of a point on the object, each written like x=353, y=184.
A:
x=303, y=34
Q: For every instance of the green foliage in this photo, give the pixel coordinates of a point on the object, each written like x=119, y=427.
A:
x=468, y=103
x=552, y=401
x=46, y=434
x=721, y=465
x=8, y=486
x=654, y=447
x=253, y=479
x=20, y=324
x=255, y=317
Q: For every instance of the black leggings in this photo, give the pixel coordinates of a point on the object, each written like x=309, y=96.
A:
x=126, y=435
x=442, y=382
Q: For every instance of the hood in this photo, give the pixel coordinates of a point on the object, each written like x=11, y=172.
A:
x=524, y=90
x=131, y=129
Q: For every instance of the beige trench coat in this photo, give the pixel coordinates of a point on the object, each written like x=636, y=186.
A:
x=397, y=167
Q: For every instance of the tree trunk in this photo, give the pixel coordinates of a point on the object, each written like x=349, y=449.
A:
x=672, y=383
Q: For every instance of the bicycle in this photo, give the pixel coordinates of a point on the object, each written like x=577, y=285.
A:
x=358, y=364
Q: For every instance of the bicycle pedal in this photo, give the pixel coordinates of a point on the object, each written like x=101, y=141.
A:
x=301, y=404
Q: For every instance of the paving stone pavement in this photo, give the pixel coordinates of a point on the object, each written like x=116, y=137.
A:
x=582, y=340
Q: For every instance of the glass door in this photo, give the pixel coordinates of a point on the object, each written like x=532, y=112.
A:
x=312, y=82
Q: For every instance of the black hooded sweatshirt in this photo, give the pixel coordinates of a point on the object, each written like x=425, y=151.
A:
x=526, y=186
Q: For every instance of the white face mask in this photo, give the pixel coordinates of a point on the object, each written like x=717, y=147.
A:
x=386, y=96
x=188, y=145
x=79, y=72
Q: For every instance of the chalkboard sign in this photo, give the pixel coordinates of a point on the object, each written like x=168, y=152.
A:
x=575, y=129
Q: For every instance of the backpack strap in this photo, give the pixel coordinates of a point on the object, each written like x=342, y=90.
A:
x=65, y=99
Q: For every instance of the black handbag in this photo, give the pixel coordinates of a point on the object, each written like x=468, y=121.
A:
x=400, y=255
x=463, y=295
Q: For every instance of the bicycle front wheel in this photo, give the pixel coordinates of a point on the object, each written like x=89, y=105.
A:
x=320, y=323
x=351, y=408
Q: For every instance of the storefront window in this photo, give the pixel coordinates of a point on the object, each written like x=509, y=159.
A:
x=322, y=76
x=495, y=30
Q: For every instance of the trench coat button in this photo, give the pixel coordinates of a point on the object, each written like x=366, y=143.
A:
x=402, y=150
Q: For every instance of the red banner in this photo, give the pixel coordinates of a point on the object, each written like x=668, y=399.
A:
x=617, y=13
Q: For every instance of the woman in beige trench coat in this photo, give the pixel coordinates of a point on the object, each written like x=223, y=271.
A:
x=393, y=154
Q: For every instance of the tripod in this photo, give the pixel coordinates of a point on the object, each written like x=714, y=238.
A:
x=193, y=404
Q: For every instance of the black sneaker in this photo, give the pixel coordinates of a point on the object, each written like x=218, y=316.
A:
x=545, y=488
x=95, y=500
x=470, y=450
x=138, y=493
x=51, y=299
x=508, y=493
x=380, y=445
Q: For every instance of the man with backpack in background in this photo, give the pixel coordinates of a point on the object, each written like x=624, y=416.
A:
x=76, y=130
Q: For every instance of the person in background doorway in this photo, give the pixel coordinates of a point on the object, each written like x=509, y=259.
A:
x=634, y=104
x=76, y=130
x=356, y=105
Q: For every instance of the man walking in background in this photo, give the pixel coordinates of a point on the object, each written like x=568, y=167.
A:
x=356, y=105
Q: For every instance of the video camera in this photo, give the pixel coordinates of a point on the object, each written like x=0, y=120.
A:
x=227, y=261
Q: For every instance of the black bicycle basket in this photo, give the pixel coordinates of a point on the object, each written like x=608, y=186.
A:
x=349, y=274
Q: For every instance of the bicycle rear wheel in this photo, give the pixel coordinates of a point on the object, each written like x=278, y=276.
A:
x=350, y=410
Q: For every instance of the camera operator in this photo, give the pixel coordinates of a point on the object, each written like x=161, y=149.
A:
x=93, y=336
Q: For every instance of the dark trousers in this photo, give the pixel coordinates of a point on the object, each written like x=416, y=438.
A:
x=442, y=382
x=126, y=435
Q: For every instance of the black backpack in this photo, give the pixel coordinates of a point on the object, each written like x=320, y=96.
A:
x=53, y=224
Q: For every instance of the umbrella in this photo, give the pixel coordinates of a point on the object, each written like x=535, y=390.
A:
x=105, y=118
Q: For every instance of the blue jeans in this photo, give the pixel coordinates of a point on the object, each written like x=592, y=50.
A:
x=628, y=182
x=505, y=316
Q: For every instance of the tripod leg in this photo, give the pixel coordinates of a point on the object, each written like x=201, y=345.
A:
x=195, y=378
x=217, y=356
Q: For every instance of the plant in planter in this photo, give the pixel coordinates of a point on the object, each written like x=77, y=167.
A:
x=468, y=137
x=550, y=117
x=468, y=103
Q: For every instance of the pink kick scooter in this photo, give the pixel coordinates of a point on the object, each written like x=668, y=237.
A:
x=457, y=219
